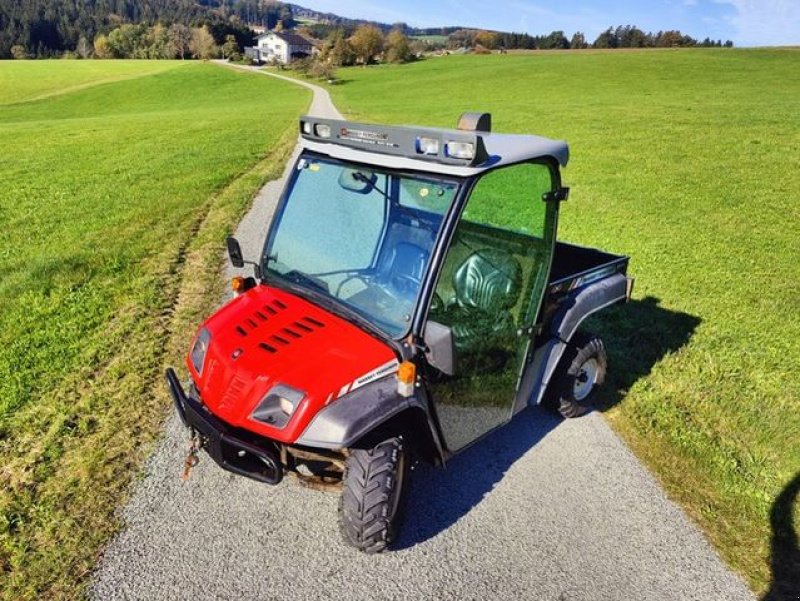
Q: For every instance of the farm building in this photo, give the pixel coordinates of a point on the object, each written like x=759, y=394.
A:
x=279, y=46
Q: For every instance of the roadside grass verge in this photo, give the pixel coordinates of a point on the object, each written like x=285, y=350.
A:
x=688, y=161
x=114, y=203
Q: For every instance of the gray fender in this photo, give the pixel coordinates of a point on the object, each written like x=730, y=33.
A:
x=580, y=305
x=358, y=413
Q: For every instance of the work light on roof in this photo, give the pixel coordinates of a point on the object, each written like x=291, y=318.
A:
x=323, y=130
x=460, y=150
x=427, y=146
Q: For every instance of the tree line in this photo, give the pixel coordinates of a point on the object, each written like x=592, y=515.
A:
x=158, y=29
x=623, y=36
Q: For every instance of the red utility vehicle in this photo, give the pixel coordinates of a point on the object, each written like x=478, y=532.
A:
x=411, y=297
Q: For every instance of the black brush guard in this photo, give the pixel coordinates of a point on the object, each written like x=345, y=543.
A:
x=221, y=441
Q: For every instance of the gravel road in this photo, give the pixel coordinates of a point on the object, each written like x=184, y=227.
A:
x=543, y=509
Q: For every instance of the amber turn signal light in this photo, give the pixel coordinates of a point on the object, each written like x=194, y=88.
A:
x=238, y=284
x=406, y=375
x=406, y=372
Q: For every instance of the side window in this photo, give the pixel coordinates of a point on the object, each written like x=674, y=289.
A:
x=498, y=257
x=511, y=198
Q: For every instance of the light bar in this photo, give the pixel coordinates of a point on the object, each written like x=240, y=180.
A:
x=451, y=147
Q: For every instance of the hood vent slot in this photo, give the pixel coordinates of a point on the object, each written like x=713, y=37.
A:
x=268, y=348
x=314, y=322
x=280, y=340
x=302, y=326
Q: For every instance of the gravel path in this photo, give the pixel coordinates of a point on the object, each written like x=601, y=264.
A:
x=543, y=509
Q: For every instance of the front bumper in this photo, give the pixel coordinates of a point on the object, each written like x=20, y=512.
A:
x=226, y=445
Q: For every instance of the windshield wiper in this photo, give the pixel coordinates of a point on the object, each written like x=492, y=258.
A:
x=301, y=278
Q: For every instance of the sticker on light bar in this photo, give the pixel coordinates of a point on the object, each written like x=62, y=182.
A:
x=366, y=137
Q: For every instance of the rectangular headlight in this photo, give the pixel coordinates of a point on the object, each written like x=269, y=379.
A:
x=322, y=130
x=427, y=146
x=460, y=150
x=278, y=405
x=199, y=350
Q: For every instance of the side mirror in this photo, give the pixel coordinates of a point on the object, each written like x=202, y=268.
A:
x=441, y=351
x=234, y=252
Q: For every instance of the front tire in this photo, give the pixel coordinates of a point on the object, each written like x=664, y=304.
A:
x=372, y=495
x=579, y=376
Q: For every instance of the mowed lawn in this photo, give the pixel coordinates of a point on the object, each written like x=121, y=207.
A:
x=118, y=182
x=688, y=161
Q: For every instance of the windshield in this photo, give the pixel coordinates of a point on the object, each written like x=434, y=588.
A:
x=361, y=236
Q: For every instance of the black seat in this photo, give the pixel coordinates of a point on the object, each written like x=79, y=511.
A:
x=406, y=267
x=487, y=285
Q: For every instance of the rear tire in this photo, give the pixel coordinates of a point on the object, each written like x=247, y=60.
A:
x=370, y=508
x=579, y=376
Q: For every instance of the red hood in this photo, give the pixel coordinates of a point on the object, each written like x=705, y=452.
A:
x=267, y=336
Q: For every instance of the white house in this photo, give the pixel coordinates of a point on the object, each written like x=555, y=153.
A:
x=279, y=46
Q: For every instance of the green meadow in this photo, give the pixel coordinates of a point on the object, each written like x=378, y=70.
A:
x=688, y=161
x=118, y=183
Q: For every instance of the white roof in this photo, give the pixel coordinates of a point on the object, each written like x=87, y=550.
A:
x=503, y=149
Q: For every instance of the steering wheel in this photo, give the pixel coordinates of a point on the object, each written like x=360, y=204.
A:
x=354, y=276
x=405, y=283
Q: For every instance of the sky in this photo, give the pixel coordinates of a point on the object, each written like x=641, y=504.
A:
x=746, y=22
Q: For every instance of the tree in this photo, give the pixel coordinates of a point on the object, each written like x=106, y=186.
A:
x=83, y=48
x=670, y=39
x=322, y=70
x=230, y=49
x=578, y=41
x=555, y=41
x=18, y=51
x=158, y=42
x=102, y=49
x=607, y=39
x=202, y=44
x=128, y=41
x=398, y=49
x=338, y=51
x=179, y=38
x=367, y=43
x=487, y=39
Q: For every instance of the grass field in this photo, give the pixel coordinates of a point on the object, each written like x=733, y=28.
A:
x=118, y=183
x=689, y=161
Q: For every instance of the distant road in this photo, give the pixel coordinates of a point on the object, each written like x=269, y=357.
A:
x=543, y=509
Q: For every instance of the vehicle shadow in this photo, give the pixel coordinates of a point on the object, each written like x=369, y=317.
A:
x=638, y=335
x=785, y=552
x=439, y=498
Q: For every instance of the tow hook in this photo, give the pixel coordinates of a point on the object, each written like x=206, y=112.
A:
x=192, y=459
